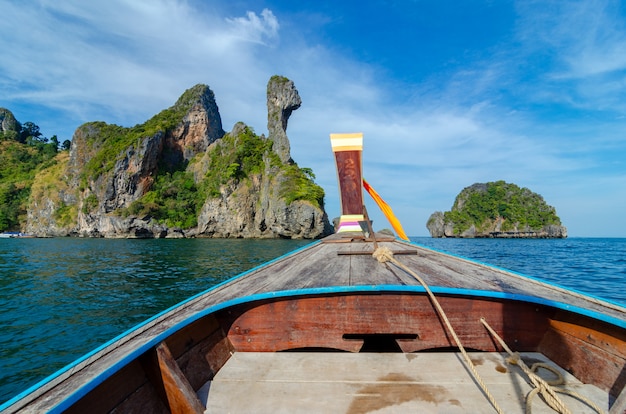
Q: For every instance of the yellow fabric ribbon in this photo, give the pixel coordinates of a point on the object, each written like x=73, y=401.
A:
x=384, y=207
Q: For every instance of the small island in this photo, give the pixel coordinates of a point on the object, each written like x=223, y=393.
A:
x=497, y=210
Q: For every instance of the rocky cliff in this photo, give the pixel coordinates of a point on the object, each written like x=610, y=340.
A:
x=497, y=210
x=9, y=127
x=282, y=100
x=180, y=175
x=7, y=121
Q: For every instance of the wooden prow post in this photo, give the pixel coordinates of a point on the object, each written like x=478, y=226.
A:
x=347, y=149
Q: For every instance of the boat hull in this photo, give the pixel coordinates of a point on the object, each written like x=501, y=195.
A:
x=332, y=297
x=359, y=321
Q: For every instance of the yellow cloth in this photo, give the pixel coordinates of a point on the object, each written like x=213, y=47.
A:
x=395, y=223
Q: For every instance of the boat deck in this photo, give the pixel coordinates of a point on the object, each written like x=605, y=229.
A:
x=343, y=263
x=351, y=383
x=337, y=262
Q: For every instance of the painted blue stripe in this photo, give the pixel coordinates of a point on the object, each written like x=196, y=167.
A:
x=544, y=281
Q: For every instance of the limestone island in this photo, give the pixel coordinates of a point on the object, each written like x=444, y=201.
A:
x=179, y=174
x=497, y=210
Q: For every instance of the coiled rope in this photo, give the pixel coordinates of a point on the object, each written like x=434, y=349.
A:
x=543, y=387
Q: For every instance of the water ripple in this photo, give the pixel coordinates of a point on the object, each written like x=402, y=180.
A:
x=62, y=298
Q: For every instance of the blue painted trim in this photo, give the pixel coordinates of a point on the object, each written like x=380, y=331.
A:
x=536, y=279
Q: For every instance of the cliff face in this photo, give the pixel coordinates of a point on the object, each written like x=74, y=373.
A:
x=8, y=123
x=151, y=181
x=497, y=210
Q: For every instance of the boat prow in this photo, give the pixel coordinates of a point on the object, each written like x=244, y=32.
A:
x=358, y=322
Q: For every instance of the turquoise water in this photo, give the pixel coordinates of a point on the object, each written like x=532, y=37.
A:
x=61, y=298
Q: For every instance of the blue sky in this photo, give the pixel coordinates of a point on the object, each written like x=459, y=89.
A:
x=447, y=93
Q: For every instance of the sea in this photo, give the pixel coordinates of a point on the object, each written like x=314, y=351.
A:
x=61, y=298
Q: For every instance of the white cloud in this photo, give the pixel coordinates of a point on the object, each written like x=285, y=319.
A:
x=123, y=61
x=255, y=29
x=125, y=58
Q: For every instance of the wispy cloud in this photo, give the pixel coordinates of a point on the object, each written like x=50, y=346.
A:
x=484, y=118
x=581, y=48
x=256, y=29
x=130, y=59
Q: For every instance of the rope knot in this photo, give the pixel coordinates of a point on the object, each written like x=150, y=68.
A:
x=383, y=254
x=513, y=358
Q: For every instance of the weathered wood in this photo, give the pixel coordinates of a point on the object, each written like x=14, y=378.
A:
x=181, y=397
x=324, y=322
x=306, y=382
x=192, y=335
x=589, y=354
x=121, y=391
x=200, y=349
x=367, y=252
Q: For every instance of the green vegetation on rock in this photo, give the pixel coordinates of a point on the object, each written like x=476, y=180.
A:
x=299, y=185
x=112, y=140
x=23, y=153
x=174, y=199
x=242, y=153
x=236, y=156
x=481, y=204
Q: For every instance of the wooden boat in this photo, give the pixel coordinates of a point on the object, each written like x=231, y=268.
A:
x=358, y=322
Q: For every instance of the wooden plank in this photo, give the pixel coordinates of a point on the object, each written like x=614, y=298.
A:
x=314, y=322
x=122, y=388
x=368, y=252
x=584, y=358
x=360, y=383
x=202, y=362
x=192, y=335
x=181, y=397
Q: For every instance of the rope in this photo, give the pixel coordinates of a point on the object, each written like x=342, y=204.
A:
x=384, y=255
x=542, y=386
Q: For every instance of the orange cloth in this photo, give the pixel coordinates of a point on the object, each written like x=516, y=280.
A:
x=395, y=223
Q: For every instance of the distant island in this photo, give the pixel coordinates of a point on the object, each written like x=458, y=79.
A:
x=497, y=210
x=179, y=174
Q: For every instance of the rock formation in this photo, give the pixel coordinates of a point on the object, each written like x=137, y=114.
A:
x=254, y=208
x=107, y=186
x=200, y=127
x=8, y=123
x=497, y=210
x=282, y=99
